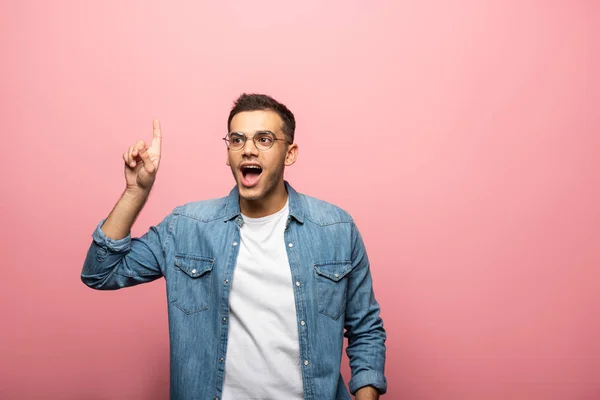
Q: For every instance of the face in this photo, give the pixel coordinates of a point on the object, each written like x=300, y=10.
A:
x=259, y=174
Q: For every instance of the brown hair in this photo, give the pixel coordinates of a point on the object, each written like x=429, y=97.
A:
x=256, y=102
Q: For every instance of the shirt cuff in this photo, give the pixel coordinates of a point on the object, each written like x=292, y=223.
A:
x=114, y=246
x=368, y=378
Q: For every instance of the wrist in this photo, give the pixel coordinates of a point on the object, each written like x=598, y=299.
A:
x=367, y=393
x=136, y=194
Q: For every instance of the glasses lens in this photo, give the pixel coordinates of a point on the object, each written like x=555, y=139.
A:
x=264, y=140
x=235, y=140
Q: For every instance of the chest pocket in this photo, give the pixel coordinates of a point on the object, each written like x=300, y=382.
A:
x=192, y=283
x=332, y=286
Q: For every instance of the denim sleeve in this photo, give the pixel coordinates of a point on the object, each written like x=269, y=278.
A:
x=114, y=264
x=364, y=327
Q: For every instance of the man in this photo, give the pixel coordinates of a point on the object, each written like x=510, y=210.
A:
x=262, y=285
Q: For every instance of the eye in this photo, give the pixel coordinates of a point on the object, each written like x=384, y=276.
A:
x=265, y=138
x=236, y=138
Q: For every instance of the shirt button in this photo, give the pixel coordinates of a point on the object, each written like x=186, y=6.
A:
x=297, y=283
x=235, y=243
x=291, y=244
x=224, y=320
x=302, y=323
x=337, y=275
x=226, y=281
x=193, y=271
x=221, y=359
x=306, y=362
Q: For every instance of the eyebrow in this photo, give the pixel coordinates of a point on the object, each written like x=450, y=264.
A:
x=257, y=132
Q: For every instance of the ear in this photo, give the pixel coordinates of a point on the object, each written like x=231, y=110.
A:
x=227, y=160
x=291, y=155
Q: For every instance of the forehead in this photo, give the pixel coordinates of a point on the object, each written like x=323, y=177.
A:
x=252, y=121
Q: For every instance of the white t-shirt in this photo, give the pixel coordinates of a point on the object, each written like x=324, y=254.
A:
x=263, y=354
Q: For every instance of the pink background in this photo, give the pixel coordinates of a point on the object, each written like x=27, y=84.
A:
x=462, y=136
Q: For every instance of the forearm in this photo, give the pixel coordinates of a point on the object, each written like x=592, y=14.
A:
x=116, y=263
x=367, y=393
x=120, y=220
x=364, y=326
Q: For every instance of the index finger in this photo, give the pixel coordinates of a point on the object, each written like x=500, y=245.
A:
x=156, y=135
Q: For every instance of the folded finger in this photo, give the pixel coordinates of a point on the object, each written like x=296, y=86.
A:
x=148, y=164
x=130, y=157
x=137, y=147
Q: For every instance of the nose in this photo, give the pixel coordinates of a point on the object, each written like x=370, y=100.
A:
x=250, y=148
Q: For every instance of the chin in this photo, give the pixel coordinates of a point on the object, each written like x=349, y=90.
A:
x=250, y=194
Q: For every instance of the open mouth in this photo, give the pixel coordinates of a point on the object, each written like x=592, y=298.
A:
x=250, y=174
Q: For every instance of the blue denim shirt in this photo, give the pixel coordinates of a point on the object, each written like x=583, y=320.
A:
x=195, y=249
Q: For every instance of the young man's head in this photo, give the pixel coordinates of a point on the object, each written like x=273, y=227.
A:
x=260, y=145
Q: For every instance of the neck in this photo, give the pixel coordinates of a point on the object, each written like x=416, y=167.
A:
x=269, y=204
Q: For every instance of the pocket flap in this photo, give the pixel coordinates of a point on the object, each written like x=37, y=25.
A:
x=194, y=266
x=334, y=270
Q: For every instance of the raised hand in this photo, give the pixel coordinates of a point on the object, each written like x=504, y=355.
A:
x=141, y=162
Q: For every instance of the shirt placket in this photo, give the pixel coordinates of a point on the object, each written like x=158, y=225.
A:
x=234, y=245
x=293, y=249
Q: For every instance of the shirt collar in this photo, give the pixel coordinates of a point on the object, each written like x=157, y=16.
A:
x=232, y=208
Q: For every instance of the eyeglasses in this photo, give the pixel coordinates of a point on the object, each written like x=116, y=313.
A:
x=263, y=140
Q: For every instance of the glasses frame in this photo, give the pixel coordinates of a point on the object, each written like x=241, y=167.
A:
x=275, y=138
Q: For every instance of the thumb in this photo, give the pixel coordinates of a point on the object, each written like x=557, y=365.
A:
x=148, y=164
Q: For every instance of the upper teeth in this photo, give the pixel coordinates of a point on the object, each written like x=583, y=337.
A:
x=251, y=166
